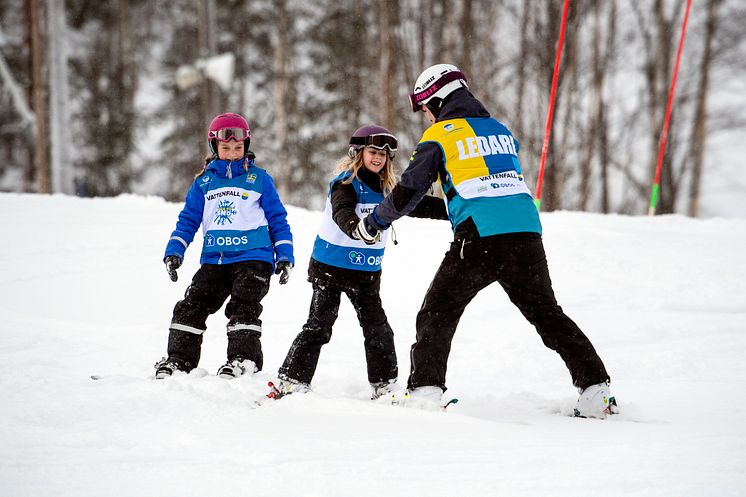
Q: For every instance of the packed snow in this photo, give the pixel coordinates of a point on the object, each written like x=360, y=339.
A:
x=83, y=291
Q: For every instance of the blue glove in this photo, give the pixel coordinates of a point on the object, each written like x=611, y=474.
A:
x=284, y=267
x=172, y=264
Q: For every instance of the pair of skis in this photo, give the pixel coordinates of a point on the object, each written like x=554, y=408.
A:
x=275, y=394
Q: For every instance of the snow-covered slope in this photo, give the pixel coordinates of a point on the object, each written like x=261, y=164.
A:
x=83, y=291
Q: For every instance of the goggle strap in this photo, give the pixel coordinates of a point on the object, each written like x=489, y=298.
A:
x=225, y=134
x=389, y=141
x=416, y=98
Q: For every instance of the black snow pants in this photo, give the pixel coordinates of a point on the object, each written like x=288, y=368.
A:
x=518, y=263
x=380, y=354
x=246, y=283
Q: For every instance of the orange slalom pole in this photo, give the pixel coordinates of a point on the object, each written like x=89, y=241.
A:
x=552, y=97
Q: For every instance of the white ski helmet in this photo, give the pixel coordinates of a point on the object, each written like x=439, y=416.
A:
x=436, y=81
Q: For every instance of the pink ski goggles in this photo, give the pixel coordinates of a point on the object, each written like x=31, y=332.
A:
x=227, y=134
x=416, y=98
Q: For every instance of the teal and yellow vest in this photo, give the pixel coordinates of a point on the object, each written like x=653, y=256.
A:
x=482, y=178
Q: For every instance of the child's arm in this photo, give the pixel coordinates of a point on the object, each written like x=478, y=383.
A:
x=344, y=201
x=190, y=218
x=279, y=229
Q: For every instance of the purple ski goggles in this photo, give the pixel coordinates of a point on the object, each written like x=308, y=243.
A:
x=416, y=98
x=380, y=141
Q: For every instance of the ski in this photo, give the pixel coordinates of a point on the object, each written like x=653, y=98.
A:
x=274, y=392
x=99, y=377
x=406, y=401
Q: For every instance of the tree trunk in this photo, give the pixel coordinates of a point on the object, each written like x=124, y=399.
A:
x=604, y=156
x=467, y=28
x=281, y=66
x=59, y=99
x=206, y=42
x=523, y=56
x=594, y=112
x=700, y=114
x=386, y=13
x=39, y=97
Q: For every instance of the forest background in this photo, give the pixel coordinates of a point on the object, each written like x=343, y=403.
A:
x=124, y=103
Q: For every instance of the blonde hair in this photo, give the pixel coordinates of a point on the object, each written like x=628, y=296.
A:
x=353, y=165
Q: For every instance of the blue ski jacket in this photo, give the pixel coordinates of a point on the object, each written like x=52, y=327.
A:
x=241, y=215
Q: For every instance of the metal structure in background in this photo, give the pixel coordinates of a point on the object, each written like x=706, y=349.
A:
x=550, y=113
x=655, y=193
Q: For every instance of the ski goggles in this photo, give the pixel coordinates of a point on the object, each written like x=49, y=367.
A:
x=226, y=134
x=418, y=97
x=380, y=142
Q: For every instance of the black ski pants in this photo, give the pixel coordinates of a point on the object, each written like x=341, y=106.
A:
x=246, y=283
x=380, y=354
x=518, y=263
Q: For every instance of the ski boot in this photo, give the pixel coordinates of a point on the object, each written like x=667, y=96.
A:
x=167, y=366
x=596, y=402
x=237, y=367
x=384, y=388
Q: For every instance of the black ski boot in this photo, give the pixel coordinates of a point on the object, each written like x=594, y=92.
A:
x=167, y=366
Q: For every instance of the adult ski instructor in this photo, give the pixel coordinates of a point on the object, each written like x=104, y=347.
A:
x=497, y=237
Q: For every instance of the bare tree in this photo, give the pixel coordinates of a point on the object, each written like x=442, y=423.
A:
x=466, y=28
x=59, y=98
x=39, y=98
x=659, y=32
x=596, y=134
x=547, y=30
x=206, y=33
x=699, y=125
x=522, y=66
x=281, y=73
x=386, y=68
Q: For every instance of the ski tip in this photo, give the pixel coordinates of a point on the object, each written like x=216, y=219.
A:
x=96, y=377
x=274, y=392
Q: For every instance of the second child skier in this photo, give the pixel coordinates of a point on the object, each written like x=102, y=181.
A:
x=342, y=263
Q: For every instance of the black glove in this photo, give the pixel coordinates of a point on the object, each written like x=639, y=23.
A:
x=349, y=228
x=172, y=264
x=284, y=267
x=366, y=232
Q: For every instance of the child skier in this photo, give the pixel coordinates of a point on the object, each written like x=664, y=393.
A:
x=246, y=237
x=342, y=263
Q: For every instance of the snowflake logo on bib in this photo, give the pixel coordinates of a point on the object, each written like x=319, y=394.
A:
x=226, y=210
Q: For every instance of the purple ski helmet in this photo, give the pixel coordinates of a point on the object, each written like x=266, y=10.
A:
x=372, y=135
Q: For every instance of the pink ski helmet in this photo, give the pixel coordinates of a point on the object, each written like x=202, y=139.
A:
x=226, y=127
